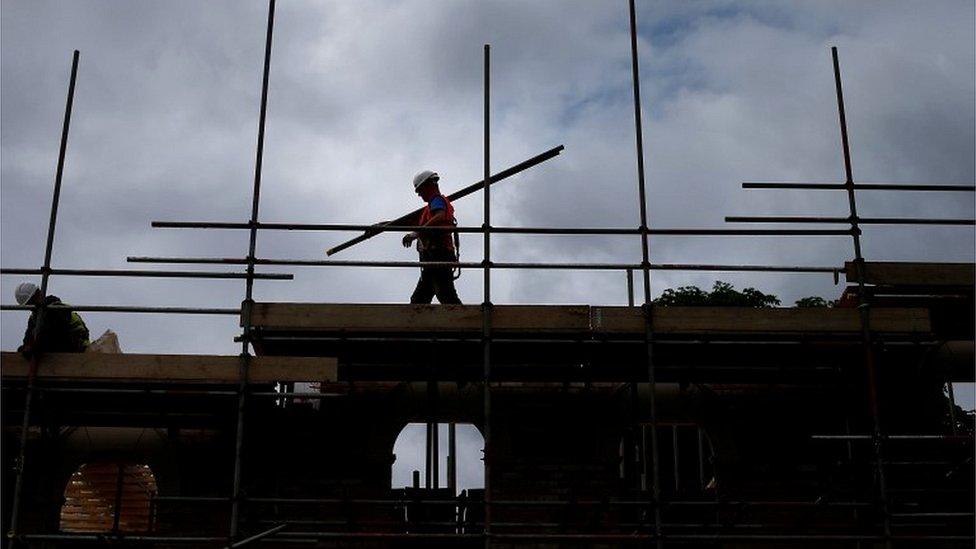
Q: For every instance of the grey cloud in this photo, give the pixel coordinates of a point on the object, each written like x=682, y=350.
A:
x=363, y=95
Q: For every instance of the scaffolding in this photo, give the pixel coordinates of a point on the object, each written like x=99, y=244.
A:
x=651, y=526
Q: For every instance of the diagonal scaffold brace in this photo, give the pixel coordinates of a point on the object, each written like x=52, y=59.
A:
x=412, y=217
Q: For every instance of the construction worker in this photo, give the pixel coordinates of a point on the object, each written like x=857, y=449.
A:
x=438, y=245
x=62, y=330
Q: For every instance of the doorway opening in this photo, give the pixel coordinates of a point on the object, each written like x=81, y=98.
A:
x=439, y=455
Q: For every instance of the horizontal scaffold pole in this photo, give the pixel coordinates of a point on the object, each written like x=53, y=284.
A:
x=587, y=231
x=499, y=265
x=129, y=309
x=861, y=187
x=846, y=220
x=145, y=274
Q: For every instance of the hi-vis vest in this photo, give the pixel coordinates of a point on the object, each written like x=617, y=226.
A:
x=439, y=240
x=63, y=330
x=78, y=330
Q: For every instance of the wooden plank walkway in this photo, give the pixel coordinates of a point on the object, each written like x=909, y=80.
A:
x=579, y=319
x=168, y=368
x=891, y=273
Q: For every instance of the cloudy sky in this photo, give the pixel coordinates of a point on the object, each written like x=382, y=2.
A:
x=365, y=94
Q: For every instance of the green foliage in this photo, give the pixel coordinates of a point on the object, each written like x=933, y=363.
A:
x=813, y=302
x=685, y=295
x=722, y=295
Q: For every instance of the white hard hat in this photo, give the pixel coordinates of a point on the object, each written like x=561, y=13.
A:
x=423, y=177
x=25, y=291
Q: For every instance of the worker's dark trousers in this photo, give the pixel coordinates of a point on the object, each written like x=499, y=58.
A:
x=437, y=281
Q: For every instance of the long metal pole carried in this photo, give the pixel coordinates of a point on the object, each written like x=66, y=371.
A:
x=247, y=305
x=864, y=307
x=646, y=267
x=45, y=275
x=412, y=217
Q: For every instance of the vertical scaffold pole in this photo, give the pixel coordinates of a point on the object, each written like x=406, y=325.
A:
x=630, y=287
x=45, y=275
x=486, y=304
x=864, y=307
x=248, y=303
x=433, y=430
x=646, y=267
x=428, y=433
x=452, y=458
x=435, y=454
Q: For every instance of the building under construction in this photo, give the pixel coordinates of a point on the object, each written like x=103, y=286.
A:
x=603, y=426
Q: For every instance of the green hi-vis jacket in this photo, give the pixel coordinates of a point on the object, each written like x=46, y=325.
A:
x=63, y=330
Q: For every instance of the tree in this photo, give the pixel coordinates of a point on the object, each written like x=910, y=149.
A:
x=722, y=295
x=813, y=302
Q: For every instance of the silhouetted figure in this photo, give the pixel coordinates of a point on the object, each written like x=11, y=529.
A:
x=436, y=245
x=62, y=330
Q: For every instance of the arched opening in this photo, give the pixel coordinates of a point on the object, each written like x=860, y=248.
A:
x=433, y=463
x=109, y=497
x=432, y=458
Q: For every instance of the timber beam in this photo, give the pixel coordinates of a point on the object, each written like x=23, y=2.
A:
x=890, y=273
x=168, y=368
x=577, y=320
